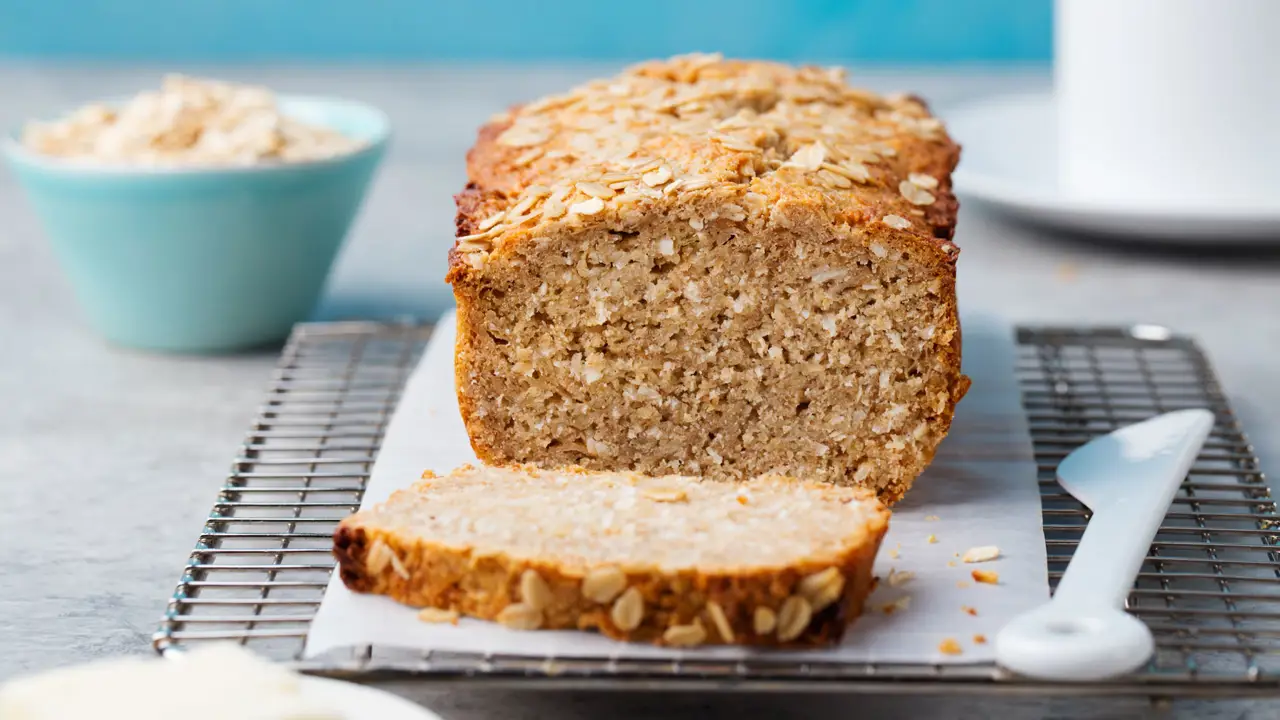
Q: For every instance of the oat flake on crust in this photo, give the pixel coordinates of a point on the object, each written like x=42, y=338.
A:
x=701, y=123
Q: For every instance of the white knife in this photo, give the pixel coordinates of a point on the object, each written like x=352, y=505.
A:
x=1127, y=478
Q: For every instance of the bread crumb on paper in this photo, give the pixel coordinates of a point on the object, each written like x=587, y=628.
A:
x=986, y=576
x=969, y=610
x=933, y=539
x=899, y=578
x=980, y=639
x=949, y=646
x=898, y=605
x=981, y=554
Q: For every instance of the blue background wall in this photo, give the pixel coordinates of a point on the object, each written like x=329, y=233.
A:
x=872, y=31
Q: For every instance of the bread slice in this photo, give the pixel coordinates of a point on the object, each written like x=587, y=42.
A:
x=667, y=560
x=713, y=268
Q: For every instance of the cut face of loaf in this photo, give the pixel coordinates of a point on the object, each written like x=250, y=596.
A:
x=711, y=268
x=668, y=560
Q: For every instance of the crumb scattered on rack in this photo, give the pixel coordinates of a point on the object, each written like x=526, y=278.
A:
x=969, y=610
x=949, y=646
x=980, y=639
x=932, y=539
x=981, y=554
x=989, y=577
x=899, y=578
x=898, y=605
x=438, y=615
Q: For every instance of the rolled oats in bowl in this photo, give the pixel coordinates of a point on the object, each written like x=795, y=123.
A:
x=189, y=122
x=201, y=217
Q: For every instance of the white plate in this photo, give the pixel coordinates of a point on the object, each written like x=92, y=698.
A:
x=1010, y=162
x=358, y=702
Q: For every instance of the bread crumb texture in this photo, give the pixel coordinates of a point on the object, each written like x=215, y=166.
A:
x=711, y=267
x=573, y=549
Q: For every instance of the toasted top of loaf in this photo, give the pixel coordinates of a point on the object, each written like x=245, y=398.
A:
x=745, y=138
x=581, y=519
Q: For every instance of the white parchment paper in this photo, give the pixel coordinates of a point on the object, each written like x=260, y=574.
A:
x=980, y=490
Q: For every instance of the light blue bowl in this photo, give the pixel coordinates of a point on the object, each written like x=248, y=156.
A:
x=204, y=259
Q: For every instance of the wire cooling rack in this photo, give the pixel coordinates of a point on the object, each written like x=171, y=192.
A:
x=1209, y=590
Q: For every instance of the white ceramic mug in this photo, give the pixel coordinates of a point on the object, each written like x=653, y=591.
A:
x=1169, y=101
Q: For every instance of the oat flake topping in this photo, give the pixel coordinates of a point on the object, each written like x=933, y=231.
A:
x=701, y=124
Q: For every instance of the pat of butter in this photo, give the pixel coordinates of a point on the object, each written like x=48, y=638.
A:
x=219, y=682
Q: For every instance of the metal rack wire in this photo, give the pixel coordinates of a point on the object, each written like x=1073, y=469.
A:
x=1209, y=590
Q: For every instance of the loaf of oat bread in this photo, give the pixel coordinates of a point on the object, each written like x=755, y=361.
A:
x=715, y=268
x=668, y=560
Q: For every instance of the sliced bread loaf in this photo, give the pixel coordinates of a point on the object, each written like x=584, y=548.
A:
x=711, y=267
x=669, y=560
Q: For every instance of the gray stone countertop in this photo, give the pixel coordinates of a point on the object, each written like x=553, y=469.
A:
x=110, y=459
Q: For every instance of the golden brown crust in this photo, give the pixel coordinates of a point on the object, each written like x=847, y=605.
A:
x=485, y=583
x=701, y=125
